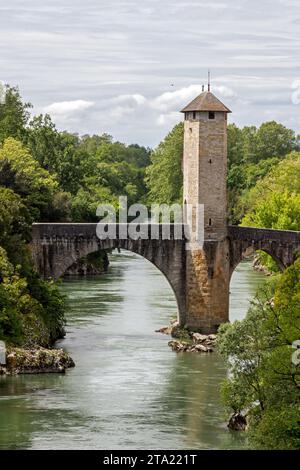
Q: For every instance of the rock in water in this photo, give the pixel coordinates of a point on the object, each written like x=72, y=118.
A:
x=198, y=338
x=237, y=422
x=165, y=330
x=36, y=361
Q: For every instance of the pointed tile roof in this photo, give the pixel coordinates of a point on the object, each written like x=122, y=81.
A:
x=207, y=101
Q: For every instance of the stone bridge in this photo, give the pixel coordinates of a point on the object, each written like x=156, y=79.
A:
x=201, y=285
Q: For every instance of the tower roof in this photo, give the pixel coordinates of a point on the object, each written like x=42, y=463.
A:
x=207, y=101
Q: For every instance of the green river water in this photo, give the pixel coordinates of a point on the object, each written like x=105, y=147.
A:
x=128, y=389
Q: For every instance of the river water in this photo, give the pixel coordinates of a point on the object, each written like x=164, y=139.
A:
x=128, y=389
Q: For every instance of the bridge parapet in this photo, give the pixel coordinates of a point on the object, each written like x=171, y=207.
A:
x=89, y=231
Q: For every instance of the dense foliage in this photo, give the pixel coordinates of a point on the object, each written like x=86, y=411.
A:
x=264, y=381
x=164, y=175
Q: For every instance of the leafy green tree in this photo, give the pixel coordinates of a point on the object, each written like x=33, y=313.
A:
x=279, y=210
x=274, y=201
x=164, y=176
x=86, y=201
x=250, y=144
x=254, y=172
x=90, y=143
x=10, y=285
x=20, y=172
x=71, y=164
x=263, y=378
x=44, y=141
x=60, y=153
x=274, y=140
x=31, y=310
x=15, y=225
x=235, y=144
x=14, y=217
x=14, y=115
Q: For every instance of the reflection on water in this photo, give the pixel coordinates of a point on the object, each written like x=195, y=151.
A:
x=128, y=389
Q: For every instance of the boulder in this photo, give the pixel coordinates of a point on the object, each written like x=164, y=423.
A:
x=38, y=360
x=165, y=330
x=237, y=422
x=200, y=347
x=178, y=345
x=212, y=337
x=198, y=338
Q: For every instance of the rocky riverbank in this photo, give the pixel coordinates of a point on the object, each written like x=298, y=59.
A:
x=35, y=361
x=188, y=341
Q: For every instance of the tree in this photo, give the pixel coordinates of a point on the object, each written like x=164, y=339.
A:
x=235, y=142
x=14, y=217
x=15, y=225
x=274, y=201
x=14, y=115
x=274, y=140
x=164, y=175
x=44, y=141
x=86, y=201
x=21, y=173
x=31, y=310
x=258, y=351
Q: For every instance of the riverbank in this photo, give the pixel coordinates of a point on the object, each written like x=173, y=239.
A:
x=35, y=361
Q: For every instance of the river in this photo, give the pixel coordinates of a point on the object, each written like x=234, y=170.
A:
x=128, y=389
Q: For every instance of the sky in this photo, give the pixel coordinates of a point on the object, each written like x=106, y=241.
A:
x=127, y=67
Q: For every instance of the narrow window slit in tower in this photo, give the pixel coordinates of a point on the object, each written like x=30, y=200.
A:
x=210, y=161
x=209, y=222
x=194, y=115
x=211, y=115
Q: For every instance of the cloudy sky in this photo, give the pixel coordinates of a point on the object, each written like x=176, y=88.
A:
x=127, y=66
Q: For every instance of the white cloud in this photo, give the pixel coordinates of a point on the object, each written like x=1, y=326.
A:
x=174, y=99
x=68, y=107
x=170, y=103
x=177, y=99
x=169, y=119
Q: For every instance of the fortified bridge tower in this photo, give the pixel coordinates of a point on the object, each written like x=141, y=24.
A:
x=205, y=174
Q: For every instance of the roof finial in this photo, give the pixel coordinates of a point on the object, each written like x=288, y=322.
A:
x=208, y=81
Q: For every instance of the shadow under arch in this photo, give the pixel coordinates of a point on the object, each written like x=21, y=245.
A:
x=126, y=251
x=168, y=256
x=250, y=252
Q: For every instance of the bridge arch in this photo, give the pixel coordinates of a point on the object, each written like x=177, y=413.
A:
x=55, y=249
x=281, y=245
x=248, y=252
